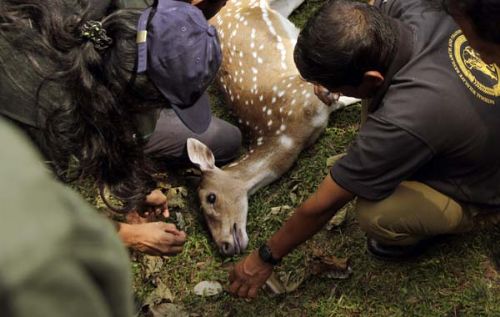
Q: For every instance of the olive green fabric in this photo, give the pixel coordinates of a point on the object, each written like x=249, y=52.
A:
x=58, y=256
x=415, y=212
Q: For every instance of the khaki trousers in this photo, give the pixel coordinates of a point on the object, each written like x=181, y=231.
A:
x=415, y=212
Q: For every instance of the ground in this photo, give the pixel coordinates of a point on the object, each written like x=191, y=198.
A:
x=458, y=277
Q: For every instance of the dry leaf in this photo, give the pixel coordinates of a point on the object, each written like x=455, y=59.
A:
x=338, y=219
x=332, y=159
x=208, y=288
x=331, y=266
x=280, y=209
x=152, y=265
x=275, y=285
x=168, y=310
x=176, y=197
x=179, y=220
x=160, y=295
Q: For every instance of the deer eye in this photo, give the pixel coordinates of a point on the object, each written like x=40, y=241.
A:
x=211, y=198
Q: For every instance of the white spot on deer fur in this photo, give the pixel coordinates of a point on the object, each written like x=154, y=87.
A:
x=289, y=85
x=275, y=88
x=293, y=102
x=290, y=112
x=294, y=91
x=320, y=117
x=283, y=127
x=252, y=45
x=254, y=78
x=264, y=109
x=304, y=92
x=269, y=123
x=229, y=25
x=245, y=23
x=246, y=102
x=308, y=95
x=259, y=60
x=242, y=71
x=240, y=121
x=269, y=112
x=278, y=132
x=286, y=141
x=254, y=54
x=261, y=97
x=233, y=164
x=281, y=93
x=238, y=96
x=240, y=63
x=241, y=53
x=261, y=47
x=273, y=100
x=241, y=79
x=254, y=70
x=230, y=60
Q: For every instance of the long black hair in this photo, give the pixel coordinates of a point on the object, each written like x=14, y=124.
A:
x=92, y=123
x=342, y=41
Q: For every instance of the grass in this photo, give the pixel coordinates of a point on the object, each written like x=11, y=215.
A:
x=458, y=277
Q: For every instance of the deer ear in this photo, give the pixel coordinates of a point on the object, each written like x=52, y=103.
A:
x=200, y=155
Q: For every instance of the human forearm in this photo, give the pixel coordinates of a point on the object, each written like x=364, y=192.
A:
x=309, y=217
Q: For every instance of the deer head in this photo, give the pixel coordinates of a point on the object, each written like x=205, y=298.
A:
x=275, y=106
x=221, y=195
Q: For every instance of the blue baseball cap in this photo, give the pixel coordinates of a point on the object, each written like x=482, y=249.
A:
x=181, y=53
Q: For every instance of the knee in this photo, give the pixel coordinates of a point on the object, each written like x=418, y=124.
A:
x=379, y=221
x=368, y=215
x=226, y=143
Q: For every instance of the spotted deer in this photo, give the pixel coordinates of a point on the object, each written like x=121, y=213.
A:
x=275, y=106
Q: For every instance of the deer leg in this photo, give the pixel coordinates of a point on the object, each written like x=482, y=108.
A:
x=285, y=7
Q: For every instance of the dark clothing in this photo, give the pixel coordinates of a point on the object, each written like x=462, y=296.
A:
x=168, y=141
x=166, y=135
x=58, y=257
x=437, y=123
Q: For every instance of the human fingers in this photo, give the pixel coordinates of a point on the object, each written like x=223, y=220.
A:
x=156, y=198
x=168, y=227
x=252, y=292
x=234, y=287
x=243, y=291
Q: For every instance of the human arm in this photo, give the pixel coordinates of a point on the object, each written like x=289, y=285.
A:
x=154, y=238
x=251, y=273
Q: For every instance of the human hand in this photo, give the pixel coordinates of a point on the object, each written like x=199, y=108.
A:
x=327, y=97
x=209, y=7
x=153, y=238
x=249, y=275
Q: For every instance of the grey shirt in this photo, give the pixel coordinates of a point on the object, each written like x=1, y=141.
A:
x=438, y=122
x=58, y=257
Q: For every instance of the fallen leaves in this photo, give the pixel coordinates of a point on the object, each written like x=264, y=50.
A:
x=176, y=197
x=320, y=265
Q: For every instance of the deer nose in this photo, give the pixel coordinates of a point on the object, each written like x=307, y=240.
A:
x=227, y=248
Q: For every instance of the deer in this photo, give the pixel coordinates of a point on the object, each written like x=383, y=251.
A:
x=275, y=107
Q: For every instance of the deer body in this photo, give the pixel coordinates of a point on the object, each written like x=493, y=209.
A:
x=277, y=108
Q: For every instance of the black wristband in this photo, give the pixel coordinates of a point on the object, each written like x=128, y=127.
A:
x=266, y=255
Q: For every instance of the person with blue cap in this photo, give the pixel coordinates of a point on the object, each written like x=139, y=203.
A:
x=112, y=94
